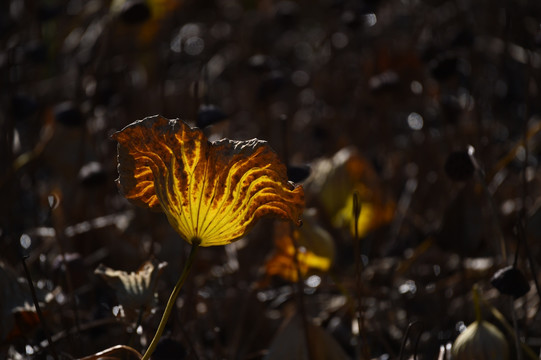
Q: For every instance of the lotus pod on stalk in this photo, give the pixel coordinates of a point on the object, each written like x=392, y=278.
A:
x=481, y=340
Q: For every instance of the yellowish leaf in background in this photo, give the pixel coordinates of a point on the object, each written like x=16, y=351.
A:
x=333, y=183
x=147, y=16
x=315, y=250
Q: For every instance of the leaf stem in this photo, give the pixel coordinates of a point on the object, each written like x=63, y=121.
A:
x=38, y=309
x=172, y=300
x=515, y=327
x=476, y=303
x=300, y=293
x=405, y=339
x=361, y=350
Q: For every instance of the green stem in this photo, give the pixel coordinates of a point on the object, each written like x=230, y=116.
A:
x=476, y=303
x=171, y=301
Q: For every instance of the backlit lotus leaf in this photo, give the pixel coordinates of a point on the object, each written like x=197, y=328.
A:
x=211, y=192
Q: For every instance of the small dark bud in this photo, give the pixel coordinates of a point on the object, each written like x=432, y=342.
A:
x=459, y=166
x=208, y=115
x=510, y=281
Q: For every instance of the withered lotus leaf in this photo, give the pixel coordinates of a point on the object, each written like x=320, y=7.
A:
x=134, y=290
x=211, y=192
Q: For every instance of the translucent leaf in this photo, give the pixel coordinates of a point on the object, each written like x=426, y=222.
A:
x=212, y=193
x=315, y=250
x=333, y=182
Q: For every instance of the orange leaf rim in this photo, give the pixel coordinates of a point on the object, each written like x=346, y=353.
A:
x=211, y=192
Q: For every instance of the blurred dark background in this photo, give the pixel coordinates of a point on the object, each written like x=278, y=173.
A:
x=438, y=99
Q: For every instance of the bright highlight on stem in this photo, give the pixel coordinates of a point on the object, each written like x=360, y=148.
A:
x=172, y=300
